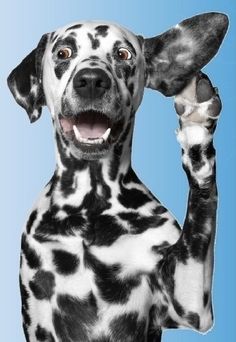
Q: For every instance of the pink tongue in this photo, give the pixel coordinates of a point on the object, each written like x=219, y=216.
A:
x=93, y=131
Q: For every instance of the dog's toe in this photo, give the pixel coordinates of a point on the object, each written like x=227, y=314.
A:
x=204, y=88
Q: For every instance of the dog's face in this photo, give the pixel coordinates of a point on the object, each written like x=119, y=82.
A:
x=93, y=80
x=92, y=75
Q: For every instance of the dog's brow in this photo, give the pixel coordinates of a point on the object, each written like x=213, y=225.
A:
x=66, y=41
x=130, y=46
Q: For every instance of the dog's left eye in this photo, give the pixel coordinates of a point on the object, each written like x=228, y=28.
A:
x=124, y=54
x=64, y=53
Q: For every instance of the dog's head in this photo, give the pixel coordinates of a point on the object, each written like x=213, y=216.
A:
x=92, y=75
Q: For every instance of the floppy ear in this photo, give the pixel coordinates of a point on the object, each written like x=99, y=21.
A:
x=173, y=57
x=25, y=81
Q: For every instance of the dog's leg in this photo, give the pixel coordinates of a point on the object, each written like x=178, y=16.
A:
x=186, y=270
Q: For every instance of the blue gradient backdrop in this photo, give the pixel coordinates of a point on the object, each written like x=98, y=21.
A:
x=27, y=151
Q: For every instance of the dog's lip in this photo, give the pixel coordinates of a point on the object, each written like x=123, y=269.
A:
x=88, y=127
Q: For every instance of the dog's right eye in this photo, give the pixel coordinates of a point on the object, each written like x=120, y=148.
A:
x=124, y=54
x=64, y=53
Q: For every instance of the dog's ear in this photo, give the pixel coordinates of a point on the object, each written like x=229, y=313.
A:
x=173, y=57
x=25, y=81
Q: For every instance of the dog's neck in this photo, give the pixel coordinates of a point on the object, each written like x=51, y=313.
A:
x=76, y=178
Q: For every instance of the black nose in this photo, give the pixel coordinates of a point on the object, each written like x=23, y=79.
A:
x=91, y=83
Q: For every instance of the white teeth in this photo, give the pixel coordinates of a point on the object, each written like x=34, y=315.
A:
x=77, y=133
x=106, y=134
x=91, y=141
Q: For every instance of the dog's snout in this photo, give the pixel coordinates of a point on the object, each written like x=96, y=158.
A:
x=91, y=83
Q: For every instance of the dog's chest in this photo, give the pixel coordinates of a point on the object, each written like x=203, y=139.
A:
x=105, y=253
x=93, y=266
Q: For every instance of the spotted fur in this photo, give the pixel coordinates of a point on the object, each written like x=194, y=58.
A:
x=102, y=259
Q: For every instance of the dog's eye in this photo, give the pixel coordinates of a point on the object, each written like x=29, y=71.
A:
x=124, y=54
x=64, y=53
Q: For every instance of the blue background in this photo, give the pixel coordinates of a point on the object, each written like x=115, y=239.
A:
x=27, y=151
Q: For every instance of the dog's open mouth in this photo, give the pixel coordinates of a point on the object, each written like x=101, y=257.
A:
x=89, y=127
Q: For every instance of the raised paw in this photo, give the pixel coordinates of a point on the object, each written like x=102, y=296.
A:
x=198, y=103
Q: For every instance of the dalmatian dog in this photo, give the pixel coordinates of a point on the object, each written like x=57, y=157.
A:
x=102, y=259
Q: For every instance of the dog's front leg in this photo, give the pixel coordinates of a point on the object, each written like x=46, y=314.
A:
x=186, y=270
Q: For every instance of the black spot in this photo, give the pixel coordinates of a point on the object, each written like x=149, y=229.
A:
x=176, y=225
x=94, y=41
x=102, y=30
x=94, y=57
x=194, y=320
x=95, y=203
x=106, y=230
x=126, y=72
x=159, y=248
x=128, y=327
x=51, y=225
x=73, y=317
x=133, y=71
x=32, y=258
x=74, y=27
x=43, y=238
x=131, y=88
x=111, y=288
x=205, y=299
x=178, y=307
x=210, y=151
x=24, y=304
x=170, y=323
x=93, y=64
x=61, y=68
x=116, y=45
x=52, y=184
x=131, y=176
x=43, y=285
x=71, y=165
x=114, y=165
x=43, y=335
x=109, y=59
x=132, y=198
x=66, y=263
x=195, y=154
x=139, y=223
x=128, y=102
x=72, y=34
x=159, y=210
x=163, y=87
x=196, y=239
x=31, y=220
